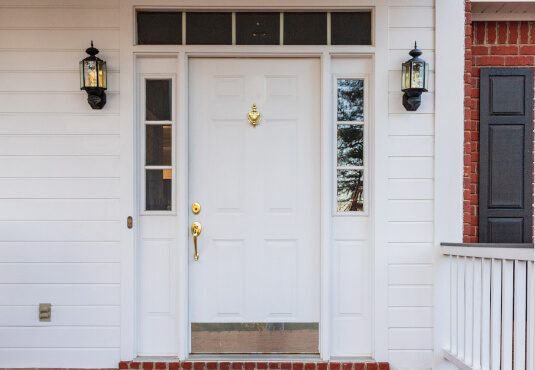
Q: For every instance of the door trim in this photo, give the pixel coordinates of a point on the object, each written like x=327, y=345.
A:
x=379, y=85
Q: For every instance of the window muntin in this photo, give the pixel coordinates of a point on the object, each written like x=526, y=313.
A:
x=350, y=144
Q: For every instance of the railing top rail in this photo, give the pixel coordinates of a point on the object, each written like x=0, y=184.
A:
x=523, y=252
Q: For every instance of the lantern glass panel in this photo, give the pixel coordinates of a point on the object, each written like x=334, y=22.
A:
x=406, y=76
x=102, y=74
x=426, y=80
x=417, y=75
x=82, y=75
x=90, y=73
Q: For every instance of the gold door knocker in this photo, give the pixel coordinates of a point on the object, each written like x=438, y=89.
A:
x=254, y=116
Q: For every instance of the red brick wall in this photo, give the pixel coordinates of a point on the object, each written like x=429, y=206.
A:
x=488, y=44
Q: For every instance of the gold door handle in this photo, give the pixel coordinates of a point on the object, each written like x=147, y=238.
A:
x=196, y=229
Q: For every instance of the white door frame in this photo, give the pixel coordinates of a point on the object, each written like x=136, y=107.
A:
x=379, y=86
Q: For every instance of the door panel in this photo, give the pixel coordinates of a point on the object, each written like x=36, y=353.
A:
x=259, y=192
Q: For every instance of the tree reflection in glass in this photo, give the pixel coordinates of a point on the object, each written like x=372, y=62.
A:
x=350, y=145
x=350, y=100
x=350, y=190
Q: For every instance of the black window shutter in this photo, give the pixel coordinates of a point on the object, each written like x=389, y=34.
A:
x=506, y=160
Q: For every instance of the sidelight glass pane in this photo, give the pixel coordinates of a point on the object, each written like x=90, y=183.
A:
x=350, y=145
x=351, y=28
x=255, y=338
x=257, y=28
x=305, y=28
x=350, y=190
x=158, y=145
x=209, y=28
x=159, y=28
x=350, y=100
x=158, y=100
x=158, y=185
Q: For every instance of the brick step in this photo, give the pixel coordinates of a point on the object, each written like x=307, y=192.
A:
x=201, y=365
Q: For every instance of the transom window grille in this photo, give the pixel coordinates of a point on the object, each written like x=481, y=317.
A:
x=350, y=144
x=254, y=28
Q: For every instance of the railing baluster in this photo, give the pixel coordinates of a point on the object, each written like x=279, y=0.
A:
x=520, y=316
x=469, y=307
x=453, y=304
x=530, y=358
x=485, y=313
x=507, y=315
x=476, y=355
x=495, y=314
x=460, y=306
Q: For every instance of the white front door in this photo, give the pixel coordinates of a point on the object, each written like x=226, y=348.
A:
x=255, y=285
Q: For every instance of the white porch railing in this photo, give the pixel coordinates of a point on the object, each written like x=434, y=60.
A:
x=492, y=306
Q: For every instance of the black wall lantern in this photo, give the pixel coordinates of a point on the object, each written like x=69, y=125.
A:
x=93, y=78
x=414, y=78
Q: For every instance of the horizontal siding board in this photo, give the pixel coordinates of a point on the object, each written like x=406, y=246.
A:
x=411, y=124
x=410, y=275
x=61, y=316
x=412, y=3
x=58, y=60
x=45, y=252
x=409, y=210
x=38, y=188
x=67, y=167
x=93, y=358
x=58, y=18
x=411, y=146
x=73, y=102
x=416, y=359
x=74, y=4
x=410, y=317
x=60, y=145
x=49, y=82
x=397, y=57
x=395, y=103
x=52, y=124
x=410, y=168
x=59, y=337
x=410, y=189
x=407, y=232
x=410, y=253
x=403, y=38
x=60, y=231
x=403, y=16
x=60, y=273
x=59, y=209
x=410, y=296
x=410, y=338
x=61, y=294
x=66, y=39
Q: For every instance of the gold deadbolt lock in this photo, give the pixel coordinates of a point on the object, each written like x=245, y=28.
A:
x=195, y=208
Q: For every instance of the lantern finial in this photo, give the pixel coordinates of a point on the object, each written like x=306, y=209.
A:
x=92, y=50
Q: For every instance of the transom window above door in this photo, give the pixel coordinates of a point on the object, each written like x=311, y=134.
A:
x=254, y=28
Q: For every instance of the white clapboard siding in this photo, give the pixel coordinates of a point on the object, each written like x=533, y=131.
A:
x=63, y=316
x=65, y=167
x=61, y=81
x=93, y=358
x=59, y=39
x=59, y=273
x=59, y=187
x=410, y=192
x=55, y=124
x=46, y=252
x=410, y=317
x=60, y=294
x=58, y=61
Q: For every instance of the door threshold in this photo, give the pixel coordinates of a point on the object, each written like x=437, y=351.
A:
x=256, y=357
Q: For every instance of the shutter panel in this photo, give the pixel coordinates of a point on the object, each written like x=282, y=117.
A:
x=506, y=160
